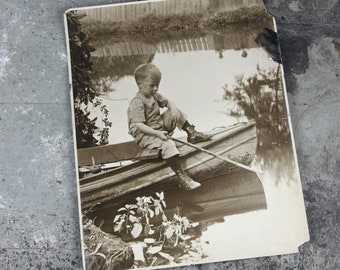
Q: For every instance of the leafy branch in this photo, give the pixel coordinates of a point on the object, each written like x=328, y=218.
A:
x=87, y=132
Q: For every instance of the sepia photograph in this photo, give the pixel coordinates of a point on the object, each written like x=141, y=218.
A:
x=183, y=140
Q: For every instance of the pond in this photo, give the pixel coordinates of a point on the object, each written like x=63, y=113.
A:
x=236, y=213
x=188, y=78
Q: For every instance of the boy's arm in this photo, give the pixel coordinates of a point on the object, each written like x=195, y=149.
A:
x=137, y=117
x=164, y=102
x=150, y=131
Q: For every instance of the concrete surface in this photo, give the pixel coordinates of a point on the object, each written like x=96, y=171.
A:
x=38, y=206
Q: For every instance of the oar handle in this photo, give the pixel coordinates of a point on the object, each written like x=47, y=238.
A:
x=216, y=155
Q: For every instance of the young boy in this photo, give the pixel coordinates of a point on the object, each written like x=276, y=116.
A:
x=150, y=128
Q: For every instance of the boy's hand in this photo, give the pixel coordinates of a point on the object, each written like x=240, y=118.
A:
x=163, y=135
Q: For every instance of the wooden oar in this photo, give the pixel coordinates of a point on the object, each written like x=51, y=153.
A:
x=216, y=155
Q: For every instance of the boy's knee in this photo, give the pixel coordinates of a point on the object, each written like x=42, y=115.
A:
x=169, y=144
x=169, y=149
x=169, y=122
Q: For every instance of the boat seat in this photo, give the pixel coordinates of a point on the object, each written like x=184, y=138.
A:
x=146, y=154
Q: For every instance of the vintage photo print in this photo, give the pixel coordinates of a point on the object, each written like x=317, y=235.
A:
x=183, y=140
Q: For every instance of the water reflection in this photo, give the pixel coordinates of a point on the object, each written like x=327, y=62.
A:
x=221, y=196
x=261, y=97
x=116, y=58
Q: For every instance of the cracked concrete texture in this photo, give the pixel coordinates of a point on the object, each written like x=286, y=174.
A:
x=38, y=208
x=315, y=114
x=305, y=11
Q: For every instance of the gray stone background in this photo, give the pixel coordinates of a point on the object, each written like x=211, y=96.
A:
x=38, y=205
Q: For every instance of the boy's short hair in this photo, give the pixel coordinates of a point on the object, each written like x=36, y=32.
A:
x=146, y=70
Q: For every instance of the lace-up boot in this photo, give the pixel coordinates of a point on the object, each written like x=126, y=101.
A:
x=194, y=136
x=184, y=180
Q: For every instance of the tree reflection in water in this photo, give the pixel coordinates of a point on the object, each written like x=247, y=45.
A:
x=109, y=69
x=261, y=97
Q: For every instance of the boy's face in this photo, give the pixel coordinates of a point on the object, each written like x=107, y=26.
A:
x=149, y=86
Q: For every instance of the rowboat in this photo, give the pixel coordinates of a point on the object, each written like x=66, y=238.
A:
x=236, y=142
